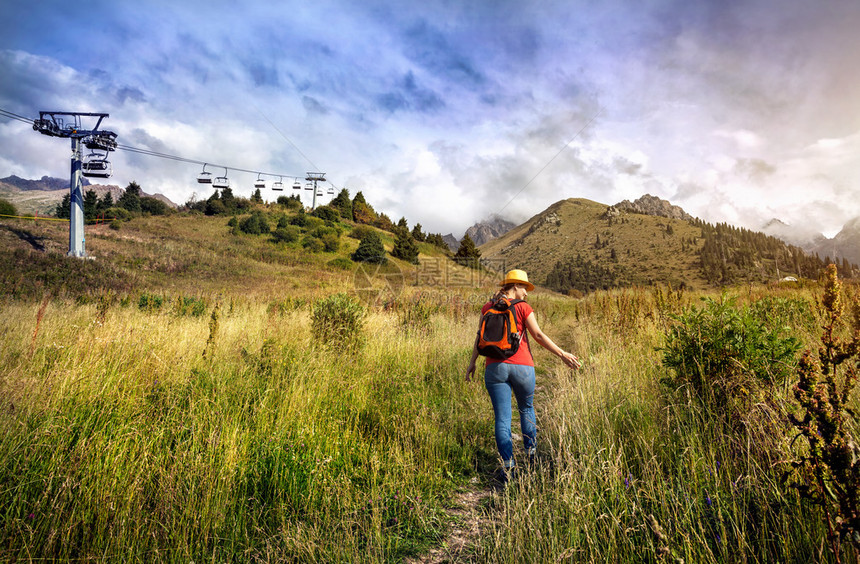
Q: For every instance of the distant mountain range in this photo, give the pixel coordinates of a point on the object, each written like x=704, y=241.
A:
x=42, y=196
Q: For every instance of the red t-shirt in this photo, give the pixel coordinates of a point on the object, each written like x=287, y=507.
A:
x=524, y=354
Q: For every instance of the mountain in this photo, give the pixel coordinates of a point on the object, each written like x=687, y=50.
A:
x=489, y=229
x=793, y=235
x=580, y=245
x=46, y=183
x=452, y=242
x=845, y=245
x=41, y=197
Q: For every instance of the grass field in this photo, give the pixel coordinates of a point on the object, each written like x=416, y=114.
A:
x=158, y=422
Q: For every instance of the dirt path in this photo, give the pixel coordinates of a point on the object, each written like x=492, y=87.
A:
x=467, y=525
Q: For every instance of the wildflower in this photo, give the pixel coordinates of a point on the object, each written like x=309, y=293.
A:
x=708, y=499
x=627, y=482
x=31, y=516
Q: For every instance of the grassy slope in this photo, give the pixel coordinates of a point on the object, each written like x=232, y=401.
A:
x=119, y=440
x=570, y=227
x=183, y=254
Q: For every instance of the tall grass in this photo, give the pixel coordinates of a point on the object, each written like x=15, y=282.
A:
x=121, y=441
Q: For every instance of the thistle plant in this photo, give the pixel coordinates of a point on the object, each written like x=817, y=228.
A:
x=828, y=472
x=213, y=330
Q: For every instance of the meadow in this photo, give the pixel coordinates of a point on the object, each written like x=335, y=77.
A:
x=167, y=425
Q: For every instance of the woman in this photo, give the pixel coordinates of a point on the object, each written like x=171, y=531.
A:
x=517, y=373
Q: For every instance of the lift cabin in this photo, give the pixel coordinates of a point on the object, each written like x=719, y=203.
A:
x=96, y=166
x=204, y=177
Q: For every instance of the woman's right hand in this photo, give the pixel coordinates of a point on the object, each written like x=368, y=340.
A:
x=571, y=360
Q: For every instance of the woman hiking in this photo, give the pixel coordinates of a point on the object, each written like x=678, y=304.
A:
x=517, y=373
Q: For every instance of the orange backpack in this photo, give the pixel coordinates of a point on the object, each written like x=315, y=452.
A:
x=497, y=336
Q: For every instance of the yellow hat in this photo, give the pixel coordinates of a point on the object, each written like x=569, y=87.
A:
x=518, y=277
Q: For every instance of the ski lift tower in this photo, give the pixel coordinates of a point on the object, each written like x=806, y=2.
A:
x=315, y=177
x=69, y=126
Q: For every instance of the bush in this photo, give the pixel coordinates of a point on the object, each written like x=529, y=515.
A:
x=255, y=224
x=331, y=242
x=6, y=208
x=150, y=302
x=289, y=202
x=121, y=214
x=288, y=234
x=313, y=244
x=326, y=213
x=338, y=322
x=728, y=356
x=361, y=231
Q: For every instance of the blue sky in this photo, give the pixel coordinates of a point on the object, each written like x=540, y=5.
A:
x=447, y=112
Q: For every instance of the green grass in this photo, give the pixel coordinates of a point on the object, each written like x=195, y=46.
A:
x=121, y=441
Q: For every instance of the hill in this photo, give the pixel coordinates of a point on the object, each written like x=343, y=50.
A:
x=40, y=197
x=581, y=245
x=191, y=253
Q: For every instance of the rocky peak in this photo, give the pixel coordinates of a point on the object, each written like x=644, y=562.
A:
x=489, y=229
x=652, y=205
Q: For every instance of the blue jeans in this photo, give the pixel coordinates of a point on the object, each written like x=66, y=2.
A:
x=501, y=379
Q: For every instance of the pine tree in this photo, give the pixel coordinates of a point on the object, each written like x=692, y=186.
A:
x=130, y=199
x=468, y=254
x=256, y=197
x=64, y=208
x=343, y=204
x=91, y=201
x=417, y=234
x=370, y=249
x=405, y=247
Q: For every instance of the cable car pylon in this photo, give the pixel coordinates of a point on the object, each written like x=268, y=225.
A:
x=315, y=177
x=68, y=125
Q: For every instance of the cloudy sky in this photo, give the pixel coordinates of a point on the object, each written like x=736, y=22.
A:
x=446, y=112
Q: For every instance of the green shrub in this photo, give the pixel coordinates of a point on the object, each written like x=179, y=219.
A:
x=727, y=355
x=313, y=244
x=338, y=321
x=121, y=214
x=116, y=225
x=189, y=306
x=331, y=242
x=361, y=231
x=255, y=224
x=327, y=213
x=150, y=302
x=7, y=208
x=288, y=234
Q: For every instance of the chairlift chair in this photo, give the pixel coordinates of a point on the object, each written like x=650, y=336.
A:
x=96, y=166
x=221, y=182
x=259, y=183
x=204, y=177
x=279, y=185
x=319, y=192
x=309, y=186
x=331, y=190
x=297, y=185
